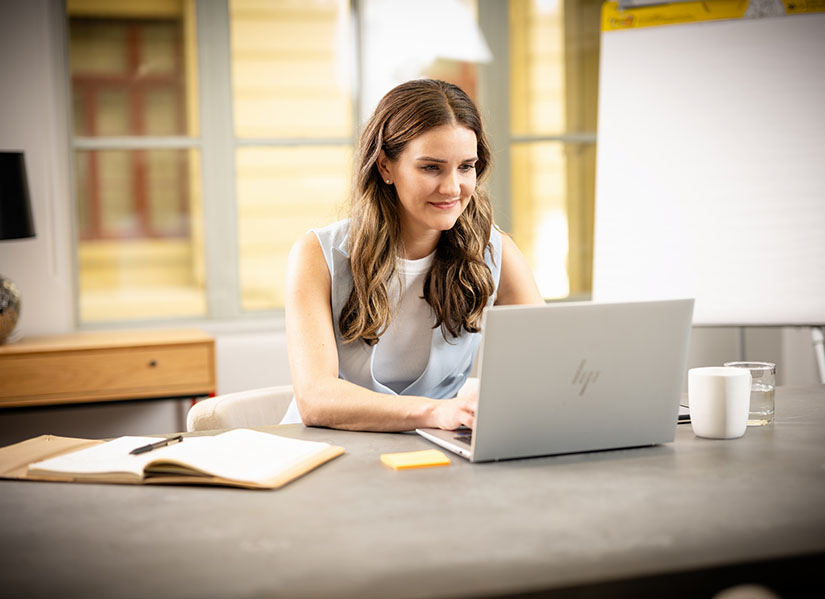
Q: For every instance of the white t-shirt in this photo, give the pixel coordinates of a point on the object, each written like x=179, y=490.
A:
x=402, y=352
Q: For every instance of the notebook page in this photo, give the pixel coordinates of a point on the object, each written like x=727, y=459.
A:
x=240, y=454
x=112, y=456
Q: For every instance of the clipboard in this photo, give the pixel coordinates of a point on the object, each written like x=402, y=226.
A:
x=15, y=459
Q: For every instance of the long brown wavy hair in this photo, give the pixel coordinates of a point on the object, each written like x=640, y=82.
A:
x=459, y=283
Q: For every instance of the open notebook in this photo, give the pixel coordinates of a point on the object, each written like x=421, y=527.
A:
x=240, y=457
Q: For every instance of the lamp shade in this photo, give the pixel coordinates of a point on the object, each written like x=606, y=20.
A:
x=15, y=207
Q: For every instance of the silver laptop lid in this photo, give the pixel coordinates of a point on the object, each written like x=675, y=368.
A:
x=573, y=377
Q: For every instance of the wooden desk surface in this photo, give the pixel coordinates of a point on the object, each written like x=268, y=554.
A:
x=679, y=520
x=89, y=340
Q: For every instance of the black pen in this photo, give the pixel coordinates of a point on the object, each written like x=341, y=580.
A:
x=151, y=446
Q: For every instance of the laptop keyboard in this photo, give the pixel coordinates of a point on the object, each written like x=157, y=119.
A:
x=465, y=438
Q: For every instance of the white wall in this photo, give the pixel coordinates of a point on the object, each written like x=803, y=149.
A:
x=790, y=348
x=250, y=355
x=34, y=108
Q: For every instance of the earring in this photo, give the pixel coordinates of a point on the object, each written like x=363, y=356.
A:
x=387, y=181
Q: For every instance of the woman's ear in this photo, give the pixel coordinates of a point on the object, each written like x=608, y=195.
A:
x=383, y=166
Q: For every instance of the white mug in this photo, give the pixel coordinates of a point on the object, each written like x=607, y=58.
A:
x=719, y=399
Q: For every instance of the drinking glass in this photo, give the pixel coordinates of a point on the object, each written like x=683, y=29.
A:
x=763, y=385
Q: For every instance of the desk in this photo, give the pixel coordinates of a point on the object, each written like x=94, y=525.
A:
x=678, y=520
x=106, y=366
x=82, y=384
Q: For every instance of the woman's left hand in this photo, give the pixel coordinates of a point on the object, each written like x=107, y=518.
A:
x=467, y=398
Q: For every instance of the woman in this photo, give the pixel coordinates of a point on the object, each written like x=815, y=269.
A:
x=383, y=311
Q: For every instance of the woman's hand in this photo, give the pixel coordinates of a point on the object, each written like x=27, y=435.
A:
x=461, y=410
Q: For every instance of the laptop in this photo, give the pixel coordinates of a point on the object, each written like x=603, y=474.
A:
x=575, y=377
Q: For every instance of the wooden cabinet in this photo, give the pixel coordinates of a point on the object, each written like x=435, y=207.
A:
x=106, y=366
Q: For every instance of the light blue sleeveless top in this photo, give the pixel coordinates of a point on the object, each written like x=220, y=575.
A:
x=450, y=359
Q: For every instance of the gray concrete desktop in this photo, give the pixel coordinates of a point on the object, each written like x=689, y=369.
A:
x=684, y=519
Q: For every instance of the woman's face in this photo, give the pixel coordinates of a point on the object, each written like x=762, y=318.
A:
x=434, y=177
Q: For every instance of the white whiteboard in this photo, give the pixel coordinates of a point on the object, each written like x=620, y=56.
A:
x=711, y=169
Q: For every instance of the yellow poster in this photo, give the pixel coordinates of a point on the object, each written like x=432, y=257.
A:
x=795, y=7
x=614, y=18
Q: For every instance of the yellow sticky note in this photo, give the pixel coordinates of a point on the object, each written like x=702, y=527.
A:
x=415, y=459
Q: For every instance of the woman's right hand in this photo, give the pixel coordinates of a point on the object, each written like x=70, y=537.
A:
x=459, y=411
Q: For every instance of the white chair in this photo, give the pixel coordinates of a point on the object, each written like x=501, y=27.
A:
x=256, y=407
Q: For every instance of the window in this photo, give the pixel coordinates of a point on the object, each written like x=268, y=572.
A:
x=133, y=104
x=127, y=80
x=554, y=55
x=192, y=184
x=294, y=126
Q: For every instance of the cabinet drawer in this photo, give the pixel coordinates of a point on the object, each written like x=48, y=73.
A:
x=113, y=373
